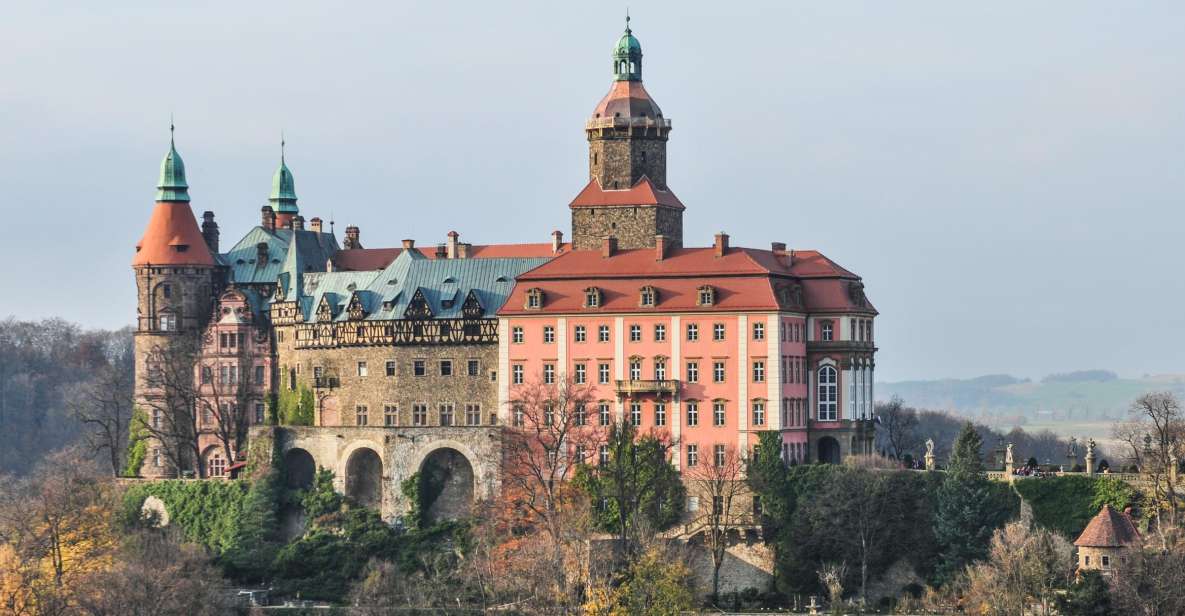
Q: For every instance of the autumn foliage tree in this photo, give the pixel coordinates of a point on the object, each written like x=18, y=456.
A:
x=721, y=483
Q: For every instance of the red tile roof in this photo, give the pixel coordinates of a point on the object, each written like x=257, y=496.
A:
x=642, y=193
x=172, y=238
x=674, y=294
x=1109, y=529
x=632, y=263
x=627, y=99
x=365, y=259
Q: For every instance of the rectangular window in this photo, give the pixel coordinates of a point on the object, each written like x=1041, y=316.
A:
x=660, y=414
x=717, y=331
x=472, y=414
x=718, y=500
x=446, y=414
x=258, y=412
x=692, y=332
x=473, y=367
x=759, y=331
x=603, y=413
x=718, y=372
x=207, y=375
x=635, y=370
x=759, y=412
x=361, y=415
x=517, y=372
x=692, y=413
x=390, y=415
x=548, y=334
x=855, y=330
x=259, y=374
x=718, y=413
x=446, y=367
x=549, y=373
x=758, y=371
x=635, y=333
x=581, y=414
x=692, y=455
x=635, y=413
x=578, y=334
x=419, y=367
x=516, y=335
x=719, y=455
x=660, y=333
x=520, y=416
x=603, y=333
x=419, y=414
x=581, y=373
x=693, y=503
x=828, y=331
x=693, y=372
x=603, y=374
x=156, y=456
x=390, y=368
x=603, y=455
x=660, y=369
x=362, y=371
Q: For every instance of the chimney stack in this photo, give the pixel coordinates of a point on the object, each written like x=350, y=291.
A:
x=451, y=245
x=777, y=246
x=409, y=244
x=660, y=247
x=462, y=251
x=721, y=244
x=210, y=231
x=298, y=223
x=269, y=218
x=609, y=247
x=261, y=256
x=557, y=240
x=315, y=224
x=352, y=241
x=441, y=251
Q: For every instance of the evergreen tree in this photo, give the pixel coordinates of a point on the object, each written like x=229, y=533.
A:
x=767, y=477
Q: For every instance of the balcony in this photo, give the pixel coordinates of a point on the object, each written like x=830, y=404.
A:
x=631, y=386
x=618, y=122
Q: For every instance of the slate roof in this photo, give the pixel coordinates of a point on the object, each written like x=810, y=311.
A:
x=378, y=258
x=1109, y=529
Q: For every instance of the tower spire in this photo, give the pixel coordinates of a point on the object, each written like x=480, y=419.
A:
x=283, y=195
x=172, y=186
x=627, y=55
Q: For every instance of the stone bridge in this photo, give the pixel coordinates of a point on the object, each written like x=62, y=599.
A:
x=369, y=464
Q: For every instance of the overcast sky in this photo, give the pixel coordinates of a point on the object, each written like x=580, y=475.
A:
x=1006, y=176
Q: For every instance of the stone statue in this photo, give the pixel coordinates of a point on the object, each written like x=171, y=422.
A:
x=930, y=463
x=1008, y=455
x=929, y=447
x=1090, y=448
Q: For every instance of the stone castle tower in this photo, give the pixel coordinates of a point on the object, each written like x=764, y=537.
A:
x=627, y=197
x=175, y=278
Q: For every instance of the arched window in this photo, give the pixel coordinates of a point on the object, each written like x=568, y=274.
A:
x=827, y=394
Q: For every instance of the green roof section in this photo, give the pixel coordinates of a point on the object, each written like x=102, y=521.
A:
x=283, y=196
x=627, y=56
x=172, y=185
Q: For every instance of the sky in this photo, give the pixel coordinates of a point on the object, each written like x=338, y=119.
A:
x=1005, y=176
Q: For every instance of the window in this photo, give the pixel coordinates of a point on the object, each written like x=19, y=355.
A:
x=692, y=332
x=216, y=466
x=603, y=333
x=549, y=373
x=603, y=455
x=581, y=414
x=718, y=501
x=519, y=415
x=693, y=372
x=855, y=329
x=472, y=414
x=786, y=412
x=579, y=333
x=706, y=296
x=446, y=414
x=548, y=414
x=692, y=456
x=718, y=372
x=635, y=369
x=759, y=412
x=718, y=454
x=419, y=367
x=258, y=412
x=647, y=297
x=446, y=367
x=660, y=333
x=419, y=414
x=548, y=334
x=693, y=503
x=473, y=367
x=516, y=335
x=580, y=454
x=1087, y=563
x=259, y=374
x=1106, y=561
x=534, y=298
x=692, y=413
x=361, y=413
x=758, y=371
x=390, y=368
x=592, y=297
x=168, y=322
x=156, y=456
x=635, y=413
x=660, y=369
x=207, y=375
x=635, y=333
x=166, y=290
x=603, y=413
x=517, y=372
x=581, y=373
x=717, y=331
x=603, y=374
x=827, y=394
x=828, y=331
x=660, y=414
x=390, y=415
x=718, y=413
x=759, y=331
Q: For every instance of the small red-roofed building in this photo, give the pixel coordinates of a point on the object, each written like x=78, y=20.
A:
x=1106, y=541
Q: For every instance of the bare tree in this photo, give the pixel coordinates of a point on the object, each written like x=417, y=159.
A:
x=1025, y=565
x=722, y=483
x=899, y=424
x=104, y=405
x=171, y=403
x=223, y=397
x=1159, y=414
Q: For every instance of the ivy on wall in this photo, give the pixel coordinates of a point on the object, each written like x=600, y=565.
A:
x=137, y=443
x=1066, y=504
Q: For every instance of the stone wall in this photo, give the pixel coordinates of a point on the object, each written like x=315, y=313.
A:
x=633, y=226
x=618, y=160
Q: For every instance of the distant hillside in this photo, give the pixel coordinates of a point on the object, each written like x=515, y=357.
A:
x=1074, y=395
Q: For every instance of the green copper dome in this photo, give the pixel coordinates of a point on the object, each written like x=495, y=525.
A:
x=172, y=186
x=283, y=197
x=627, y=56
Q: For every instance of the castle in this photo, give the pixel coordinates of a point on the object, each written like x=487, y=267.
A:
x=712, y=343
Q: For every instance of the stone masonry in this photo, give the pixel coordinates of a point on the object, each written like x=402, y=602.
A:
x=633, y=226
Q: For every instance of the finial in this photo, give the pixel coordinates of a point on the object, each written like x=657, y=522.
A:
x=627, y=19
x=281, y=146
x=171, y=128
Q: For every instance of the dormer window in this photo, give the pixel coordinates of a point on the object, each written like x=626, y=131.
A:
x=706, y=296
x=534, y=299
x=592, y=297
x=648, y=297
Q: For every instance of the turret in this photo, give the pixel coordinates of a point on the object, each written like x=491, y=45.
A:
x=283, y=196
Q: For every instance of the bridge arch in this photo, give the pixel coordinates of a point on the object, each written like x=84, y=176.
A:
x=299, y=468
x=364, y=475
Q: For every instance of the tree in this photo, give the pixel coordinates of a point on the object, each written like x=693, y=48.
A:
x=636, y=491
x=222, y=400
x=171, y=401
x=104, y=405
x=1025, y=565
x=1150, y=582
x=657, y=584
x=1159, y=414
x=721, y=483
x=1089, y=595
x=899, y=424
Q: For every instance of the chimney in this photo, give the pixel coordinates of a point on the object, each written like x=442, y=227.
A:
x=269, y=218
x=462, y=251
x=315, y=224
x=451, y=244
x=298, y=223
x=352, y=242
x=409, y=244
x=721, y=244
x=557, y=240
x=210, y=231
x=660, y=247
x=608, y=247
x=441, y=251
x=777, y=246
x=261, y=256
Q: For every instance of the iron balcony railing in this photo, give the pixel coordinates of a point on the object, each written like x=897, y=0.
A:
x=638, y=386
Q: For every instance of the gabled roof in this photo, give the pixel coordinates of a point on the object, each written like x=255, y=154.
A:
x=641, y=193
x=172, y=238
x=1109, y=529
x=241, y=258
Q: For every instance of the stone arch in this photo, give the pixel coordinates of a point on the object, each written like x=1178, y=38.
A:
x=828, y=449
x=364, y=476
x=447, y=480
x=299, y=468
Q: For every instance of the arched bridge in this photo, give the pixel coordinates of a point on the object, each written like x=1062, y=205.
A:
x=369, y=464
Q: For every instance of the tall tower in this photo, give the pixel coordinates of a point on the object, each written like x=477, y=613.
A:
x=283, y=196
x=627, y=195
x=175, y=279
